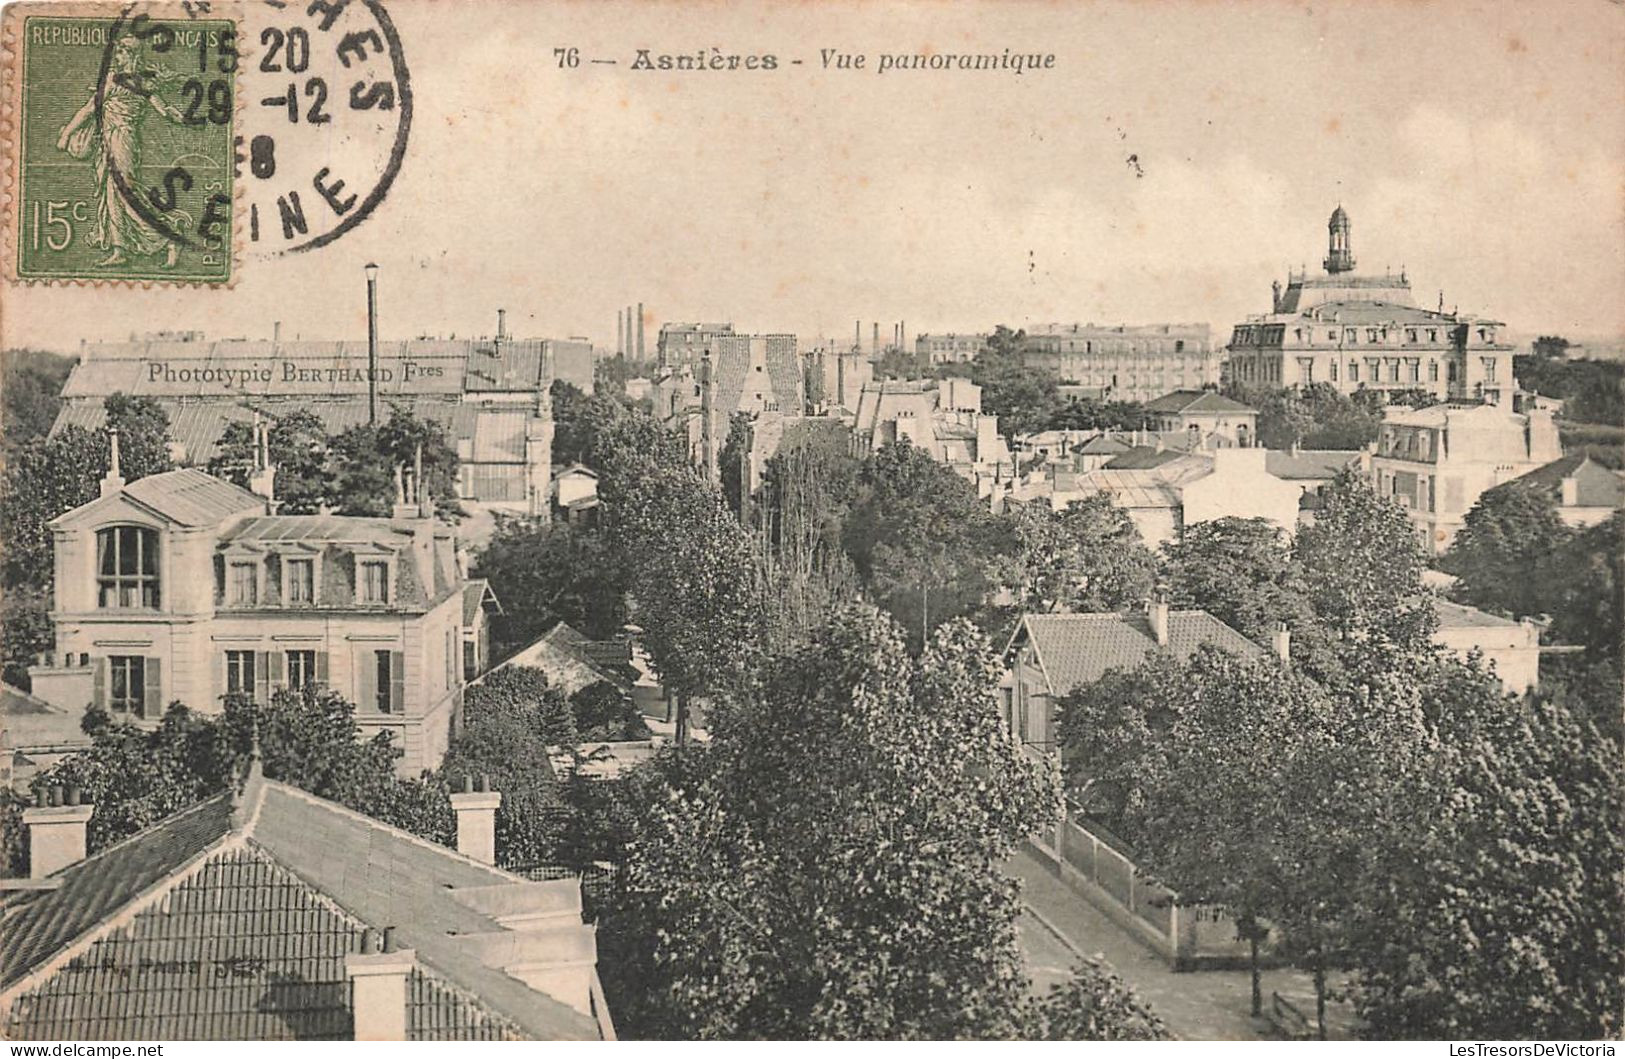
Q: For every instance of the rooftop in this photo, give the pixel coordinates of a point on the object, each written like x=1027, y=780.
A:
x=1595, y=485
x=1187, y=401
x=1078, y=649
x=231, y=920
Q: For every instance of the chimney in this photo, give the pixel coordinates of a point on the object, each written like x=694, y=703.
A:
x=620, y=332
x=56, y=831
x=378, y=975
x=262, y=480
x=1281, y=640
x=874, y=345
x=1571, y=491
x=476, y=812
x=405, y=489
x=1157, y=615
x=640, y=330
x=112, y=481
x=502, y=324
x=276, y=332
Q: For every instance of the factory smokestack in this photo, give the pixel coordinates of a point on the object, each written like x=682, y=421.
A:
x=502, y=324
x=640, y=330
x=620, y=331
x=874, y=342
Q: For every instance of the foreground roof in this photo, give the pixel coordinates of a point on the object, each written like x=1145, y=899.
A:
x=1078, y=649
x=187, y=497
x=232, y=920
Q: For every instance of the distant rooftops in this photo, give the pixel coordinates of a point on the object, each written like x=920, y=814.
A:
x=1186, y=401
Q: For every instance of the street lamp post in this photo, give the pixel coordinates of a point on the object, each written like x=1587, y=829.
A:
x=372, y=344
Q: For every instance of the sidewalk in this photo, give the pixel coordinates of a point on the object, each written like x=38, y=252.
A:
x=1196, y=1005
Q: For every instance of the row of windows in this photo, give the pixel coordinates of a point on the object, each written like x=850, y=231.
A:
x=299, y=582
x=1272, y=334
x=132, y=686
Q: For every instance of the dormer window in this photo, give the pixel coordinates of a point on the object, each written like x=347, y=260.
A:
x=242, y=583
x=372, y=581
x=127, y=568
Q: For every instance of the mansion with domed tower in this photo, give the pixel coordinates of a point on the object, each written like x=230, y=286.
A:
x=1367, y=332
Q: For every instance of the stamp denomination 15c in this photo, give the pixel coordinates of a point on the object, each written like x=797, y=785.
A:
x=121, y=122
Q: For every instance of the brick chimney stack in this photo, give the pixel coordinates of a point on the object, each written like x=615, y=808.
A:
x=56, y=831
x=378, y=975
x=476, y=812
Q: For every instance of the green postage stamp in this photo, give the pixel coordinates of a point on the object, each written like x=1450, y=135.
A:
x=120, y=125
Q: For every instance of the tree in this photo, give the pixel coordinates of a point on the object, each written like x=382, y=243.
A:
x=26, y=630
x=511, y=719
x=1094, y=1005
x=814, y=871
x=1086, y=557
x=1317, y=416
x=605, y=712
x=298, y=444
x=364, y=461
x=1499, y=556
x=1242, y=572
x=307, y=737
x=1503, y=916
x=32, y=386
x=1585, y=581
x=48, y=477
x=547, y=572
x=922, y=541
x=1024, y=397
x=1363, y=566
x=808, y=488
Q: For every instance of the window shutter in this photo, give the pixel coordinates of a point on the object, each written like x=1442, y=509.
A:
x=152, y=697
x=321, y=667
x=276, y=671
x=220, y=685
x=397, y=681
x=262, y=677
x=366, y=689
x=98, y=684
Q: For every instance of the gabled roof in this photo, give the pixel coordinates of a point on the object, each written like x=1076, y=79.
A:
x=572, y=661
x=1595, y=485
x=1460, y=616
x=1196, y=401
x=34, y=726
x=187, y=497
x=232, y=921
x=1078, y=649
x=476, y=594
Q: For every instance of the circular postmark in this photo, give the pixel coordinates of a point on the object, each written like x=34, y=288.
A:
x=320, y=98
x=327, y=110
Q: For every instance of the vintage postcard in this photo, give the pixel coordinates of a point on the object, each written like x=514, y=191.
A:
x=646, y=520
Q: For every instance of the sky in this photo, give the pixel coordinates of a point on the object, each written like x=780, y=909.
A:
x=1176, y=158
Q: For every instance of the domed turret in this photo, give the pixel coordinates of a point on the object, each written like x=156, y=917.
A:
x=1339, y=251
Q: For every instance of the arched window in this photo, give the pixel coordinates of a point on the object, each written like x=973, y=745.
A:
x=127, y=568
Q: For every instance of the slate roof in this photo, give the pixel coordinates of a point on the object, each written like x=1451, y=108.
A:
x=231, y=921
x=1078, y=649
x=1314, y=464
x=1595, y=484
x=35, y=926
x=32, y=725
x=329, y=537
x=1143, y=458
x=188, y=497
x=1185, y=401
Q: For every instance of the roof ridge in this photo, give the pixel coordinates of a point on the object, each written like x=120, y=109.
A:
x=376, y=824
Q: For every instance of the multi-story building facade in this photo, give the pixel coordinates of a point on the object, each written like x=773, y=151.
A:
x=733, y=374
x=1436, y=462
x=490, y=395
x=949, y=348
x=183, y=587
x=1358, y=332
x=1127, y=363
x=944, y=417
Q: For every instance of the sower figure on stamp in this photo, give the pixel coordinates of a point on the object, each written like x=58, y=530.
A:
x=120, y=228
